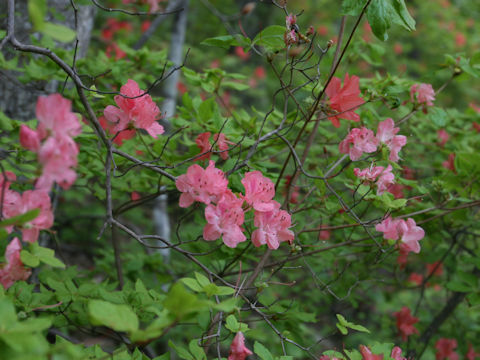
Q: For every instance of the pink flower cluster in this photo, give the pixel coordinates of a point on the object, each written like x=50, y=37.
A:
x=367, y=354
x=238, y=350
x=13, y=270
x=135, y=111
x=359, y=141
x=383, y=177
x=15, y=204
x=405, y=323
x=220, y=140
x=52, y=141
x=407, y=231
x=225, y=210
x=344, y=101
x=422, y=94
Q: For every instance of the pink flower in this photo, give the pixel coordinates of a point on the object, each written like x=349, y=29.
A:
x=386, y=134
x=241, y=53
x=385, y=180
x=402, y=258
x=450, y=163
x=203, y=185
x=445, y=349
x=29, y=138
x=416, y=278
x=238, y=350
x=411, y=234
x=368, y=174
x=357, y=142
x=13, y=270
x=290, y=20
x=222, y=144
x=112, y=128
x=389, y=227
x=30, y=200
x=225, y=220
x=140, y=111
x=408, y=231
x=273, y=228
x=397, y=354
x=344, y=101
x=55, y=117
x=57, y=155
x=203, y=142
x=259, y=191
x=290, y=37
x=367, y=354
x=435, y=269
x=396, y=190
x=405, y=323
x=442, y=137
x=471, y=354
x=423, y=94
x=385, y=177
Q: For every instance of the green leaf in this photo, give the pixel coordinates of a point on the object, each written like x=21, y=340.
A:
x=406, y=19
x=47, y=256
x=7, y=314
x=202, y=279
x=58, y=32
x=37, y=9
x=235, y=85
x=227, y=41
x=118, y=317
x=271, y=38
x=196, y=350
x=342, y=329
x=20, y=219
x=353, y=7
x=379, y=18
x=182, y=353
x=5, y=122
x=262, y=351
x=29, y=259
x=192, y=284
x=438, y=116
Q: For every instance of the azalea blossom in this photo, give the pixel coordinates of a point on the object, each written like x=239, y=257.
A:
x=30, y=200
x=203, y=185
x=368, y=355
x=52, y=141
x=136, y=110
x=386, y=134
x=435, y=269
x=416, y=278
x=13, y=270
x=344, y=100
x=423, y=94
x=405, y=323
x=357, y=142
x=450, y=163
x=259, y=191
x=471, y=354
x=384, y=175
x=203, y=142
x=58, y=155
x=442, y=137
x=225, y=220
x=408, y=231
x=445, y=349
x=238, y=350
x=273, y=228
x=397, y=354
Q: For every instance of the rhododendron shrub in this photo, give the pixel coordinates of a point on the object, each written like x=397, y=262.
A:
x=239, y=180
